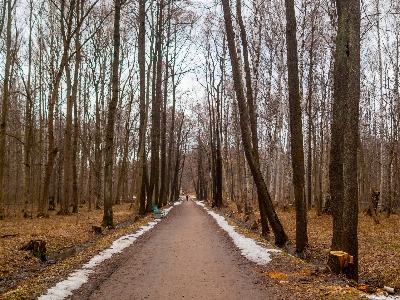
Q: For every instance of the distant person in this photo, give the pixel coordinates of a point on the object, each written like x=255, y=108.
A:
x=187, y=197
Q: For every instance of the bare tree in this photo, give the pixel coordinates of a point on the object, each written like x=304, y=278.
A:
x=140, y=189
x=265, y=201
x=110, y=134
x=296, y=133
x=4, y=105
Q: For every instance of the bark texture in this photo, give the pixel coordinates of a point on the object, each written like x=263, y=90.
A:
x=296, y=133
x=140, y=188
x=112, y=109
x=343, y=166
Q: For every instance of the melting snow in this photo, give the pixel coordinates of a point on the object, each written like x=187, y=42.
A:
x=249, y=247
x=381, y=297
x=75, y=280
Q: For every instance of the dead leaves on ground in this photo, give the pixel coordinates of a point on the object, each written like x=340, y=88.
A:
x=379, y=244
x=24, y=273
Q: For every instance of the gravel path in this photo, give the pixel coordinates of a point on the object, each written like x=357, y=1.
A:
x=186, y=256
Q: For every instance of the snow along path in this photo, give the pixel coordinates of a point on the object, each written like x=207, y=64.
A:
x=187, y=255
x=75, y=280
x=249, y=247
x=381, y=297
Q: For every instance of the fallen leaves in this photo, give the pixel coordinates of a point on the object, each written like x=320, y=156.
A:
x=277, y=275
x=379, y=244
x=21, y=271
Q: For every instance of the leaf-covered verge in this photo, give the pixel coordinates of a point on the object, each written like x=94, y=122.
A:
x=70, y=242
x=379, y=245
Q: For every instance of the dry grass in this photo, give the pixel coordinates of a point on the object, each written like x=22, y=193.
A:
x=379, y=245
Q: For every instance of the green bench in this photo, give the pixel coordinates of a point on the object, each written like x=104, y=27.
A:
x=158, y=214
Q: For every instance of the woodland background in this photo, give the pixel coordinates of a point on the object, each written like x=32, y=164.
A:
x=198, y=98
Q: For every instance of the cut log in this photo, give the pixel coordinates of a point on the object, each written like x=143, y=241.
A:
x=37, y=247
x=388, y=289
x=339, y=261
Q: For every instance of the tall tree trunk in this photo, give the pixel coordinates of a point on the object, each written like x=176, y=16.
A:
x=396, y=124
x=67, y=154
x=110, y=131
x=171, y=133
x=264, y=198
x=140, y=190
x=251, y=106
x=153, y=191
x=74, y=96
x=344, y=163
x=296, y=133
x=99, y=151
x=218, y=154
x=27, y=195
x=164, y=178
x=310, y=125
x=4, y=108
x=381, y=139
x=75, y=188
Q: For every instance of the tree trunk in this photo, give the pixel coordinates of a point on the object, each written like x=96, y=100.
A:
x=153, y=191
x=67, y=154
x=112, y=109
x=344, y=162
x=171, y=137
x=4, y=109
x=296, y=133
x=263, y=195
x=218, y=154
x=74, y=96
x=27, y=195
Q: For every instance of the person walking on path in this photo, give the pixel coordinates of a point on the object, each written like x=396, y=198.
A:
x=187, y=197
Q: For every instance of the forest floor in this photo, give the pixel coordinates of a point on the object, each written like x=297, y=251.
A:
x=379, y=244
x=71, y=242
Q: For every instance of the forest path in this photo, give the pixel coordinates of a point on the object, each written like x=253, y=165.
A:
x=186, y=256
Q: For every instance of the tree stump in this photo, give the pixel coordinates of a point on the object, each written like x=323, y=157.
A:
x=97, y=229
x=339, y=261
x=37, y=247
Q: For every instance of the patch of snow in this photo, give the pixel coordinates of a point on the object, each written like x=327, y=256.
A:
x=250, y=249
x=381, y=297
x=167, y=210
x=117, y=246
x=75, y=280
x=64, y=288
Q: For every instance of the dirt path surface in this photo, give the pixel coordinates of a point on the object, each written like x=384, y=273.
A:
x=186, y=256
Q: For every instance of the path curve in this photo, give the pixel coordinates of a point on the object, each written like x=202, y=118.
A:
x=186, y=256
